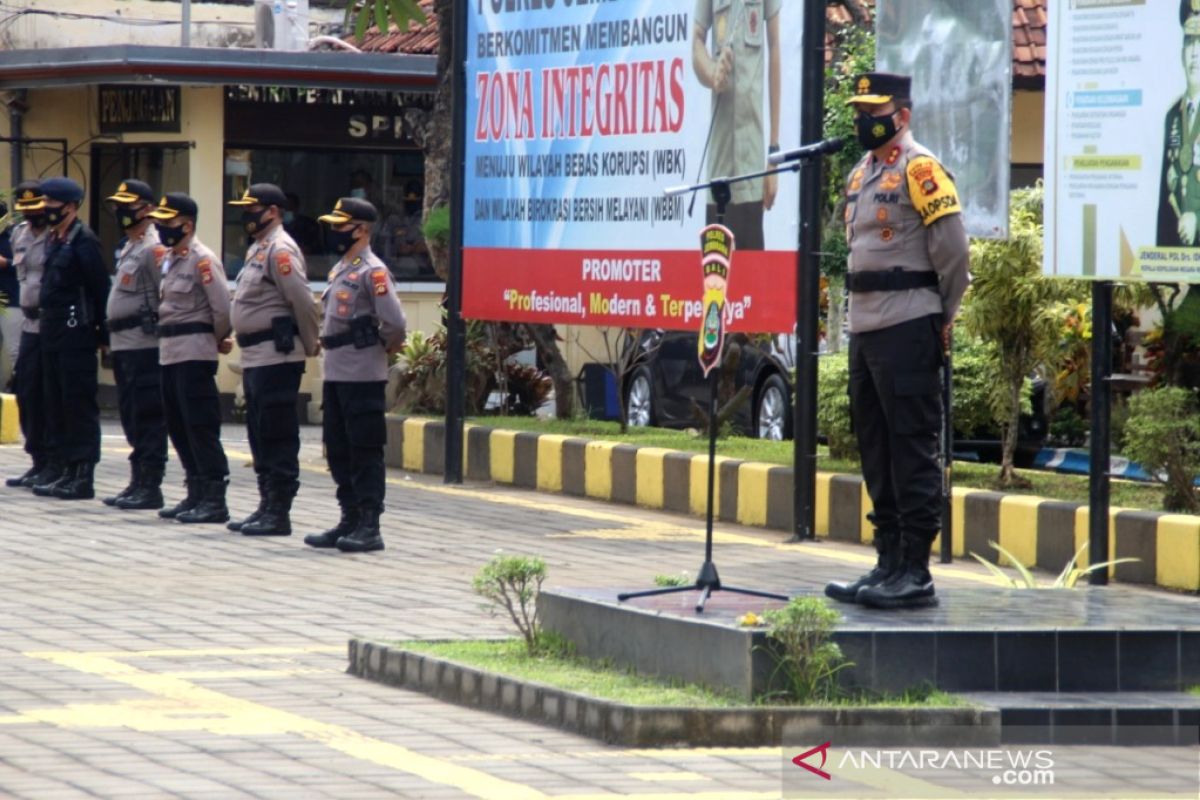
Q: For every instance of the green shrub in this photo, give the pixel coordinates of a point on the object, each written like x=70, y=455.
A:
x=512, y=583
x=833, y=406
x=437, y=226
x=1162, y=433
x=805, y=657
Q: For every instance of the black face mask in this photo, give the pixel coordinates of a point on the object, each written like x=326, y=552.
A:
x=252, y=221
x=36, y=221
x=56, y=215
x=170, y=236
x=872, y=131
x=126, y=217
x=340, y=241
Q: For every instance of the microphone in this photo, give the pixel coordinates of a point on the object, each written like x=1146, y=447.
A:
x=807, y=151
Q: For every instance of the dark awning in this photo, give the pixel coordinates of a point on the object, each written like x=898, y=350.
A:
x=214, y=66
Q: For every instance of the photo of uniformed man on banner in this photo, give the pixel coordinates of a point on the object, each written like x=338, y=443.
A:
x=716, y=248
x=1179, y=190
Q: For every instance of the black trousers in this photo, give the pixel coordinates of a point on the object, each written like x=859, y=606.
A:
x=355, y=434
x=140, y=397
x=29, y=385
x=895, y=403
x=272, y=422
x=746, y=222
x=69, y=378
x=193, y=410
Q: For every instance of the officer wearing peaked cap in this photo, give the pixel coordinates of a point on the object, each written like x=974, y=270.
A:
x=276, y=322
x=908, y=270
x=193, y=326
x=29, y=258
x=132, y=327
x=362, y=324
x=73, y=297
x=1179, y=187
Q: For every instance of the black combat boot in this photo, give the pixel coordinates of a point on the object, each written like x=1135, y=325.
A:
x=50, y=472
x=193, y=486
x=24, y=481
x=275, y=519
x=211, y=507
x=135, y=476
x=238, y=524
x=52, y=476
x=79, y=486
x=887, y=545
x=912, y=585
x=365, y=536
x=345, y=527
x=147, y=495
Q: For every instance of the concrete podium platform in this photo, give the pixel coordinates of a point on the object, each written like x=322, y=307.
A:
x=1095, y=639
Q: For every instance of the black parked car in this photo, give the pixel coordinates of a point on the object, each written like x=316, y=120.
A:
x=667, y=385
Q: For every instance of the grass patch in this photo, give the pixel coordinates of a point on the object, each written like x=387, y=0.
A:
x=1194, y=690
x=598, y=679
x=1052, y=485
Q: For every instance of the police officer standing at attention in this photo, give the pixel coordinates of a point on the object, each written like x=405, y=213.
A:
x=193, y=326
x=275, y=318
x=29, y=258
x=362, y=323
x=132, y=327
x=74, y=294
x=908, y=270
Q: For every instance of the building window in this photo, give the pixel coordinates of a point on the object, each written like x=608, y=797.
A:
x=1022, y=176
x=313, y=181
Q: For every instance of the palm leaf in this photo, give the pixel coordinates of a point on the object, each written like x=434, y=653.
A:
x=381, y=15
x=360, y=27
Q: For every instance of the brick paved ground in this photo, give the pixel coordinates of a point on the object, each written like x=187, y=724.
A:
x=147, y=659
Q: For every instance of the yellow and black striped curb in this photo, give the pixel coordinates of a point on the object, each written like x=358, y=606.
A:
x=1038, y=532
x=10, y=422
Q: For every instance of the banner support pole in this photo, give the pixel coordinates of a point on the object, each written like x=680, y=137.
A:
x=456, y=335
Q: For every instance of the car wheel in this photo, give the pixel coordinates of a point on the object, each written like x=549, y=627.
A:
x=639, y=399
x=773, y=415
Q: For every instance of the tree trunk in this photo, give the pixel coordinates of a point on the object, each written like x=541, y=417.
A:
x=545, y=338
x=439, y=133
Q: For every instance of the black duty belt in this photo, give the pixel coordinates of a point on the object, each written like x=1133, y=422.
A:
x=31, y=313
x=897, y=279
x=337, y=340
x=245, y=340
x=124, y=324
x=184, y=329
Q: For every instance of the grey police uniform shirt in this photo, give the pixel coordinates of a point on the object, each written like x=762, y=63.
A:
x=738, y=144
x=29, y=258
x=193, y=289
x=903, y=211
x=361, y=287
x=273, y=283
x=136, y=284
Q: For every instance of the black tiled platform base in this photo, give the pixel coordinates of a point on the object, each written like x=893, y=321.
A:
x=978, y=640
x=1123, y=718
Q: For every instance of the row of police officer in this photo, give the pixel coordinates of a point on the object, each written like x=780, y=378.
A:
x=167, y=314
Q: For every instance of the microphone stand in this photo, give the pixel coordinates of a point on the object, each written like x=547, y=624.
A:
x=707, y=579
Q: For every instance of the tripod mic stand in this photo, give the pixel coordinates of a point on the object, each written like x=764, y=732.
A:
x=707, y=579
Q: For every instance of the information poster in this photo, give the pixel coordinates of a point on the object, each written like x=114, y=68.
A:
x=1123, y=140
x=580, y=113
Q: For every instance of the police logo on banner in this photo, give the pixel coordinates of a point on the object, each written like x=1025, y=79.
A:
x=716, y=257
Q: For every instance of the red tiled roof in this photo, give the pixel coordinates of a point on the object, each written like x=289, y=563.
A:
x=1029, y=37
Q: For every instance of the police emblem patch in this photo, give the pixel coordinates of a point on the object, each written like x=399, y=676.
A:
x=343, y=296
x=126, y=279
x=205, y=270
x=343, y=310
x=283, y=263
x=864, y=86
x=881, y=215
x=379, y=281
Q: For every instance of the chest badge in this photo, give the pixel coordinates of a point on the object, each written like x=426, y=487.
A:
x=881, y=215
x=887, y=234
x=890, y=180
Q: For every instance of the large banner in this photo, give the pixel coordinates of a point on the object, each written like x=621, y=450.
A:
x=1123, y=140
x=959, y=55
x=580, y=113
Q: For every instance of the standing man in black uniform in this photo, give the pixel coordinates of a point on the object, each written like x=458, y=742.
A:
x=363, y=322
x=73, y=298
x=275, y=319
x=908, y=270
x=133, y=331
x=29, y=258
